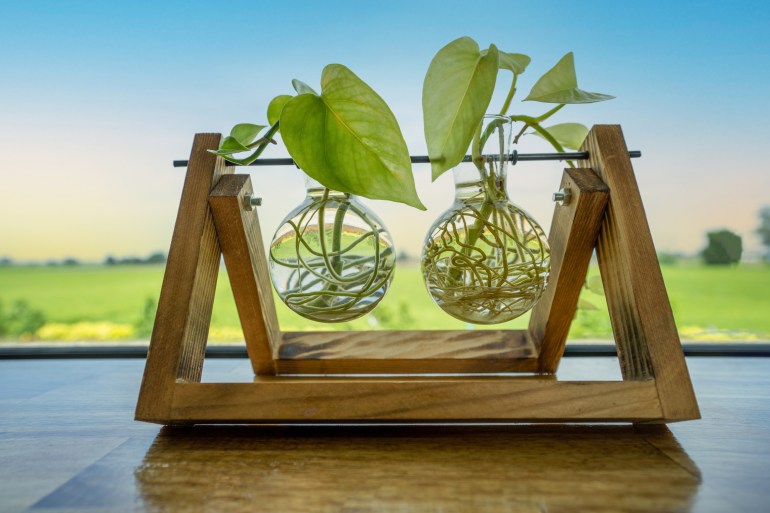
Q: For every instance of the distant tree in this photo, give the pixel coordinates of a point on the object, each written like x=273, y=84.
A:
x=724, y=247
x=70, y=262
x=5, y=261
x=764, y=229
x=156, y=258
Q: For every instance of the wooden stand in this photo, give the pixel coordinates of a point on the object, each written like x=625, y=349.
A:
x=418, y=376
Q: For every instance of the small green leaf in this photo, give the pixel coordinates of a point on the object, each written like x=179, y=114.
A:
x=241, y=162
x=245, y=133
x=349, y=140
x=276, y=106
x=230, y=145
x=559, y=85
x=516, y=62
x=594, y=284
x=569, y=135
x=455, y=96
x=302, y=88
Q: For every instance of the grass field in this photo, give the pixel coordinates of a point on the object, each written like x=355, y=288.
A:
x=710, y=303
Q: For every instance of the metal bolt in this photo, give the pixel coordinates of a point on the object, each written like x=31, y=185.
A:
x=563, y=196
x=250, y=201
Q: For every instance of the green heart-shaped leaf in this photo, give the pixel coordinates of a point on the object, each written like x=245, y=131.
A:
x=245, y=133
x=455, y=96
x=515, y=62
x=302, y=88
x=569, y=135
x=348, y=139
x=275, y=108
x=559, y=85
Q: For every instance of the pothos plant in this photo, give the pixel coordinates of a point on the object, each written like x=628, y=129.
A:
x=347, y=139
x=331, y=259
x=458, y=89
x=485, y=260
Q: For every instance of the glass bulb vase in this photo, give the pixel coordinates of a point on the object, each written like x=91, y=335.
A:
x=331, y=259
x=485, y=260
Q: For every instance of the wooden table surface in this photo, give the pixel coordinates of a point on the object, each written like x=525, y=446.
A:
x=68, y=443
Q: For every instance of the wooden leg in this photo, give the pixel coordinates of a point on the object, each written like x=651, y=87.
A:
x=642, y=321
x=178, y=343
x=574, y=231
x=241, y=240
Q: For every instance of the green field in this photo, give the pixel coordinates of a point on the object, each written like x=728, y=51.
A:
x=710, y=303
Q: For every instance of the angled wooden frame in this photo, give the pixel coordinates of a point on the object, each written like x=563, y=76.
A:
x=418, y=376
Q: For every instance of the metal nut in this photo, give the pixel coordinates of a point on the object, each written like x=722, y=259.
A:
x=562, y=197
x=250, y=201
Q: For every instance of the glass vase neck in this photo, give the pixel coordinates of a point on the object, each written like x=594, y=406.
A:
x=317, y=190
x=487, y=174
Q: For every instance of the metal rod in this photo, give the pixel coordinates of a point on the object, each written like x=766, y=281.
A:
x=424, y=159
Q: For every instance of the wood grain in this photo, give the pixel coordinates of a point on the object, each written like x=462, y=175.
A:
x=178, y=342
x=405, y=352
x=574, y=230
x=642, y=321
x=557, y=469
x=240, y=237
x=68, y=444
x=468, y=399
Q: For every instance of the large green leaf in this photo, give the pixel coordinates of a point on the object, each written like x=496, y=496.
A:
x=455, y=96
x=559, y=85
x=275, y=107
x=516, y=62
x=569, y=135
x=348, y=139
x=302, y=88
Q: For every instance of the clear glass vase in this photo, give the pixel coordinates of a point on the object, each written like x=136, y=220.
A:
x=485, y=260
x=331, y=259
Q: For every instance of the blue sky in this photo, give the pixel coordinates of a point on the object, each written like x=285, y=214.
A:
x=97, y=98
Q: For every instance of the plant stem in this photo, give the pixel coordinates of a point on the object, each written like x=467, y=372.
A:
x=267, y=138
x=339, y=217
x=549, y=113
x=529, y=121
x=548, y=137
x=508, y=98
x=491, y=193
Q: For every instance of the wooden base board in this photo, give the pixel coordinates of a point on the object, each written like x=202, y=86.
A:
x=419, y=399
x=405, y=352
